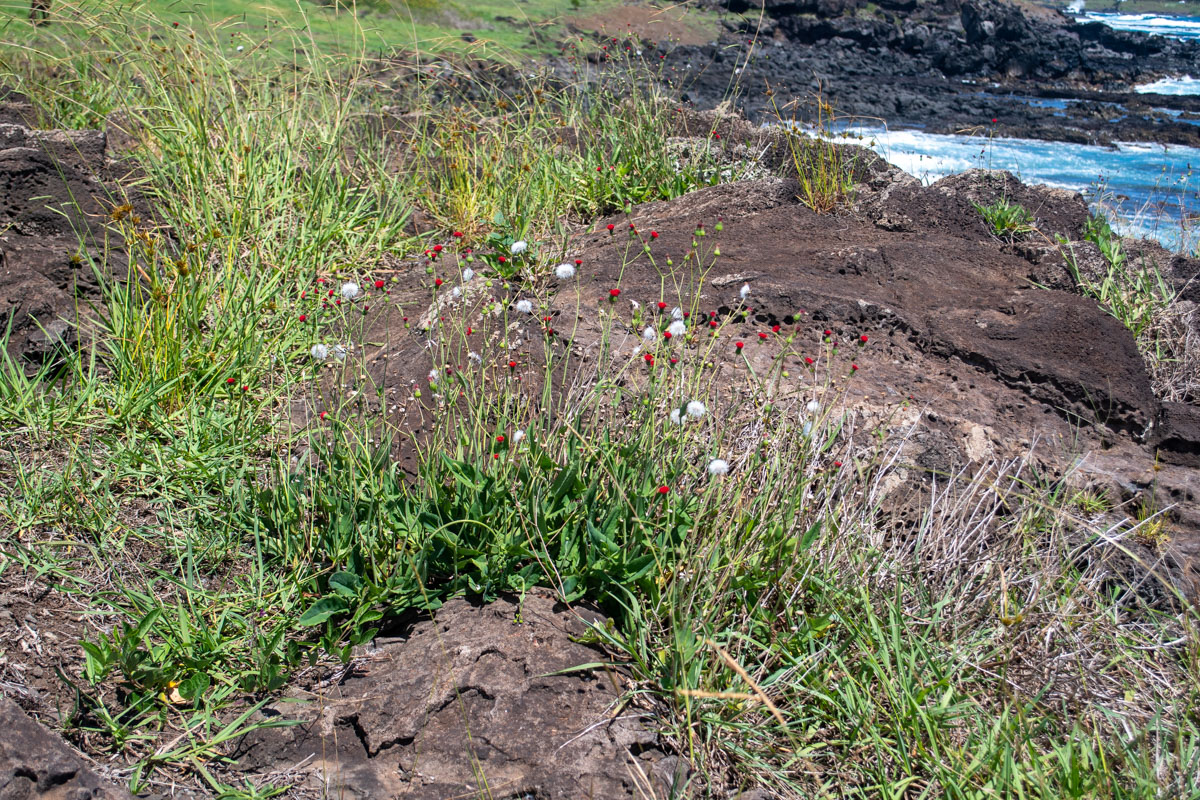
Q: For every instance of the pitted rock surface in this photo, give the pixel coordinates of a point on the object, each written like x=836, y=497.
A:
x=36, y=765
x=470, y=700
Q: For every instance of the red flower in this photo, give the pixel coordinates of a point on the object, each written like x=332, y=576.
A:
x=437, y=282
x=611, y=227
x=512, y=365
x=320, y=280
x=303, y=317
x=762, y=335
x=854, y=367
x=712, y=323
x=716, y=135
x=502, y=259
x=245, y=388
x=303, y=295
x=837, y=463
x=578, y=261
x=994, y=120
x=674, y=360
x=774, y=329
x=863, y=338
x=739, y=345
x=324, y=414
x=666, y=334
x=229, y=381
x=808, y=361
x=828, y=332
x=378, y=284
x=458, y=234
x=499, y=440
x=614, y=293
x=437, y=248
x=664, y=489
x=653, y=234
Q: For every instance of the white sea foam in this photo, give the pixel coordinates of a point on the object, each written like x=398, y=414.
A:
x=1174, y=86
x=1178, y=27
x=1145, y=183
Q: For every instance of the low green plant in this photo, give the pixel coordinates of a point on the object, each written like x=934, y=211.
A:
x=824, y=168
x=1006, y=219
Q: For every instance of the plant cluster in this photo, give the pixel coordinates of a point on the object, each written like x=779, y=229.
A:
x=215, y=475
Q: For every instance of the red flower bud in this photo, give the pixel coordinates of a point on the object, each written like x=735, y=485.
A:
x=614, y=293
x=378, y=284
x=437, y=282
x=664, y=489
x=739, y=345
x=661, y=305
x=303, y=317
x=611, y=227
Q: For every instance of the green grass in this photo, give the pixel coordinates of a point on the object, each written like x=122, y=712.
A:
x=1007, y=220
x=175, y=477
x=497, y=29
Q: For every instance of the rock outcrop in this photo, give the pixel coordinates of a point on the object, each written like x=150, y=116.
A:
x=37, y=765
x=946, y=65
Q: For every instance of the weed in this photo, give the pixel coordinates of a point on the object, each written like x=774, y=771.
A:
x=1007, y=220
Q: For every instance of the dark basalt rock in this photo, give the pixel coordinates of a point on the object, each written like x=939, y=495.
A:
x=944, y=66
x=479, y=696
x=36, y=765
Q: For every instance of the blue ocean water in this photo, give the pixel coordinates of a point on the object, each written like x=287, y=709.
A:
x=1146, y=189
x=1179, y=27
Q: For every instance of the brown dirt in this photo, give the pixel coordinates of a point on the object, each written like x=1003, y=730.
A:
x=675, y=23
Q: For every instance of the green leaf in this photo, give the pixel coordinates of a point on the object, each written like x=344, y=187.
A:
x=810, y=536
x=322, y=610
x=347, y=584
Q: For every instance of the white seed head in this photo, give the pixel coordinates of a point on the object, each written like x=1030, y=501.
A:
x=525, y=307
x=745, y=291
x=813, y=406
x=676, y=417
x=468, y=273
x=432, y=376
x=518, y=436
x=349, y=290
x=478, y=359
x=456, y=292
x=677, y=328
x=339, y=352
x=519, y=247
x=564, y=272
x=320, y=352
x=676, y=313
x=807, y=429
x=696, y=409
x=649, y=334
x=718, y=466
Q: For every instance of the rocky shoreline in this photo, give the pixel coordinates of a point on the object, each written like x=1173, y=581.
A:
x=945, y=66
